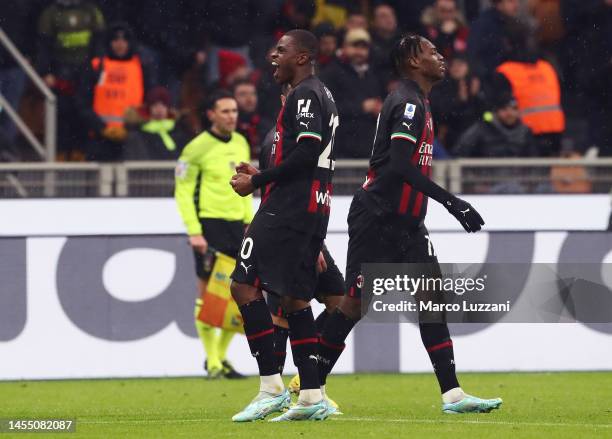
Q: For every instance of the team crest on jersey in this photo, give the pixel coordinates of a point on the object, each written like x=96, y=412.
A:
x=409, y=111
x=302, y=109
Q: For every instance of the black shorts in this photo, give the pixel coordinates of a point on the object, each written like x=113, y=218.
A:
x=279, y=260
x=222, y=235
x=381, y=239
x=330, y=283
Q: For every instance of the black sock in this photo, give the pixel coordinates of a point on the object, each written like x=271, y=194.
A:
x=280, y=346
x=439, y=345
x=304, y=343
x=321, y=320
x=260, y=335
x=331, y=342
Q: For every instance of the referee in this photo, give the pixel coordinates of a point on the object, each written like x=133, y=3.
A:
x=213, y=213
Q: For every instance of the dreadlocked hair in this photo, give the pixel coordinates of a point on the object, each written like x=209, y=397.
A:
x=409, y=46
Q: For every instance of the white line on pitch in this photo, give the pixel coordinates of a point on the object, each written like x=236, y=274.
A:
x=344, y=419
x=458, y=421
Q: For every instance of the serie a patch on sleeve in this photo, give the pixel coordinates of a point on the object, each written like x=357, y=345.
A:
x=409, y=111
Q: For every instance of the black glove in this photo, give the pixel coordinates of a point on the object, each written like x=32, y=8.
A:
x=465, y=214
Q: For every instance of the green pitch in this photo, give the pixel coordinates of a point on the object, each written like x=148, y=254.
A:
x=572, y=405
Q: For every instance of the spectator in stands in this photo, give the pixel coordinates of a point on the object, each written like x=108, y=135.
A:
x=251, y=124
x=385, y=34
x=594, y=72
x=332, y=11
x=229, y=26
x=501, y=134
x=328, y=44
x=355, y=19
x=14, y=22
x=232, y=67
x=358, y=93
x=457, y=102
x=488, y=37
x=113, y=84
x=409, y=13
x=161, y=137
x=535, y=84
x=69, y=33
x=444, y=25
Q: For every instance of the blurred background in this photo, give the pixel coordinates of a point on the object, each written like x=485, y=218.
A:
x=529, y=87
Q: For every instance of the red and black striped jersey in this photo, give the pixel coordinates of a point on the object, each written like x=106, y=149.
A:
x=303, y=201
x=406, y=116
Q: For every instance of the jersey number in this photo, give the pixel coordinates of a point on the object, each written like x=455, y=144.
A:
x=325, y=159
x=247, y=247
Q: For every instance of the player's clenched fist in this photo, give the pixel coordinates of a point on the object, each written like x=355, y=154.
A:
x=246, y=168
x=242, y=185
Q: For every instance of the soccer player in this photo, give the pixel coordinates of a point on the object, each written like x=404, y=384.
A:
x=281, y=246
x=329, y=289
x=219, y=219
x=386, y=216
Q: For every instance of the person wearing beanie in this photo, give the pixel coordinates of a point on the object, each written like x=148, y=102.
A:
x=161, y=137
x=232, y=66
x=113, y=83
x=500, y=134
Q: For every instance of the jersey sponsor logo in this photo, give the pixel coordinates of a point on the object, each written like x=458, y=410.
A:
x=305, y=124
x=407, y=125
x=425, y=154
x=323, y=198
x=302, y=109
x=409, y=111
x=180, y=171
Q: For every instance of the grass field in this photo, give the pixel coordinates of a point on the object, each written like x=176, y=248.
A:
x=572, y=405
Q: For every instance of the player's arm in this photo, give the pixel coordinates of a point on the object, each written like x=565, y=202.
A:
x=406, y=128
x=248, y=200
x=186, y=179
x=308, y=126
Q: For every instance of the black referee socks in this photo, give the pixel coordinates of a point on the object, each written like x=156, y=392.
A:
x=280, y=346
x=304, y=343
x=331, y=343
x=259, y=332
x=437, y=341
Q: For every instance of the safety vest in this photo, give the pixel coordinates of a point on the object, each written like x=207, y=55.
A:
x=538, y=94
x=121, y=85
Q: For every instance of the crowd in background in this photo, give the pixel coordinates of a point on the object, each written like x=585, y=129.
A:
x=526, y=77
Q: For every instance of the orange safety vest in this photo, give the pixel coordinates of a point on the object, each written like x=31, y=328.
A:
x=121, y=85
x=538, y=94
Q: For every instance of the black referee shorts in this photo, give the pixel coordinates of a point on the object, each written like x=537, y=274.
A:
x=222, y=235
x=380, y=239
x=330, y=283
x=279, y=260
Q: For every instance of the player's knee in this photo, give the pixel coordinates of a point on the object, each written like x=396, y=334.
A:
x=243, y=293
x=351, y=307
x=290, y=304
x=332, y=302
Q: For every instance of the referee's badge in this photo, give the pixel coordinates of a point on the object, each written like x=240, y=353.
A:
x=181, y=169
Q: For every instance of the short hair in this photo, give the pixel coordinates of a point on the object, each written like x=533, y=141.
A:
x=216, y=96
x=306, y=41
x=239, y=82
x=409, y=46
